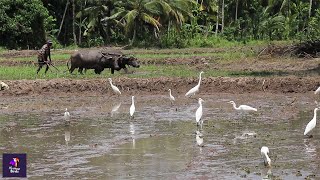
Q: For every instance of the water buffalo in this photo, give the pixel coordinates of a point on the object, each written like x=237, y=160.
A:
x=93, y=59
x=124, y=60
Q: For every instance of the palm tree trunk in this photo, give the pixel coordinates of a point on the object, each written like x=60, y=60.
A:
x=73, y=23
x=310, y=6
x=80, y=24
x=217, y=22
x=236, y=14
x=134, y=34
x=222, y=17
x=63, y=17
x=288, y=12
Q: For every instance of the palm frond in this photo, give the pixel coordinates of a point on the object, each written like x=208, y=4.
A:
x=150, y=20
x=130, y=19
x=115, y=16
x=153, y=7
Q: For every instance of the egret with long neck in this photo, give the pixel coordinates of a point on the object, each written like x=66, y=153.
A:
x=242, y=107
x=199, y=113
x=66, y=115
x=132, y=108
x=312, y=123
x=195, y=89
x=171, y=97
x=114, y=88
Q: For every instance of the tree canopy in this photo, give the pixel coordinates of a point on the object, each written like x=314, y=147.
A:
x=23, y=23
x=163, y=23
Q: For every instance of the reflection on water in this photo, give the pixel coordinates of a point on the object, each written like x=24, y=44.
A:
x=99, y=146
x=266, y=174
x=115, y=108
x=310, y=148
x=199, y=138
x=132, y=132
x=67, y=136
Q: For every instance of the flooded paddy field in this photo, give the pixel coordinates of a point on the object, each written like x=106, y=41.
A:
x=101, y=141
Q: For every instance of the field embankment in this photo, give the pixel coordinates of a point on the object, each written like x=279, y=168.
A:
x=231, y=70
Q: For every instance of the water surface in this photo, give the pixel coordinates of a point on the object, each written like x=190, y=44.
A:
x=102, y=142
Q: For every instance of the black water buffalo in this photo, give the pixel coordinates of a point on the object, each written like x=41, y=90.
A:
x=124, y=60
x=93, y=59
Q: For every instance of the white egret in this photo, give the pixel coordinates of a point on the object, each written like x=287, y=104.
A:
x=171, y=97
x=242, y=107
x=199, y=113
x=196, y=88
x=264, y=154
x=199, y=138
x=114, y=88
x=66, y=115
x=132, y=107
x=317, y=91
x=312, y=123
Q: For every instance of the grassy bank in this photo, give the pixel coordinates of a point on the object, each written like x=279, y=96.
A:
x=185, y=63
x=145, y=71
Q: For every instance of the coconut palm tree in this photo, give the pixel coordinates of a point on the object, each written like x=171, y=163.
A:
x=93, y=14
x=133, y=15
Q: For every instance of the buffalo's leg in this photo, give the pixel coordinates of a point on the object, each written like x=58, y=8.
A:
x=112, y=71
x=80, y=70
x=125, y=70
x=71, y=69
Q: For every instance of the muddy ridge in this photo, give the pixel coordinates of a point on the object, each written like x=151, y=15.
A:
x=209, y=85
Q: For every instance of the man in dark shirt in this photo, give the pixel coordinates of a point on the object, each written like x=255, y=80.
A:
x=43, y=55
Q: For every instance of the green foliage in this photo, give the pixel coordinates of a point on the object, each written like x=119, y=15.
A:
x=161, y=23
x=98, y=41
x=55, y=43
x=23, y=23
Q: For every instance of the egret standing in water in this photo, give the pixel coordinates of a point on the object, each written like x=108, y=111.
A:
x=199, y=113
x=312, y=123
x=264, y=154
x=195, y=89
x=66, y=115
x=171, y=97
x=317, y=91
x=132, y=108
x=242, y=107
x=114, y=88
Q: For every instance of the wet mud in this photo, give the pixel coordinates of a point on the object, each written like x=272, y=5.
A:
x=101, y=141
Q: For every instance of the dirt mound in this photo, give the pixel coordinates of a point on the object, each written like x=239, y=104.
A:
x=161, y=85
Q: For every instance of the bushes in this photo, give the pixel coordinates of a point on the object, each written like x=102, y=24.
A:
x=22, y=23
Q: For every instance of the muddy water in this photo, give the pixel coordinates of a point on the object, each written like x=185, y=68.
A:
x=102, y=142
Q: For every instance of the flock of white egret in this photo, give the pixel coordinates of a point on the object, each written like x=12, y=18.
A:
x=199, y=137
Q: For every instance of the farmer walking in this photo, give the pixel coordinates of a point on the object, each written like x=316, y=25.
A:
x=43, y=55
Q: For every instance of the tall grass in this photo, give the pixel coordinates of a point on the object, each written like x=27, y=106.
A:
x=146, y=71
x=223, y=55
